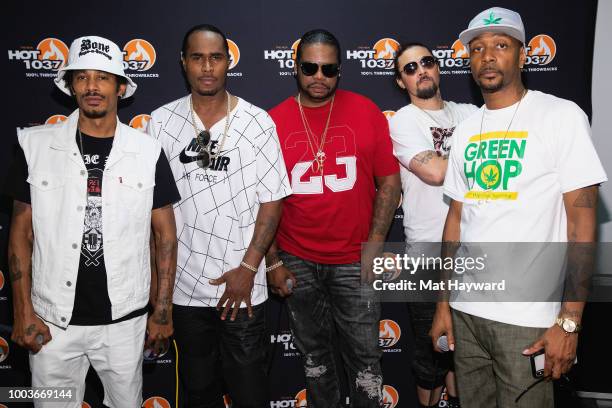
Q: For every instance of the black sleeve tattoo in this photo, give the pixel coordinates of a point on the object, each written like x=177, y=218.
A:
x=387, y=198
x=424, y=157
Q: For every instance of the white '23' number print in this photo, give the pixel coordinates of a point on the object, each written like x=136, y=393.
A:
x=315, y=184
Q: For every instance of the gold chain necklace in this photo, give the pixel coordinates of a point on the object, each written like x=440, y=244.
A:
x=225, y=131
x=319, y=155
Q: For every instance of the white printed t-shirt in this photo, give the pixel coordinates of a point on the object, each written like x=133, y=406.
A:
x=414, y=131
x=216, y=216
x=511, y=181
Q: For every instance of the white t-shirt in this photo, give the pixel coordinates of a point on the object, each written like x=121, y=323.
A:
x=511, y=179
x=216, y=215
x=414, y=131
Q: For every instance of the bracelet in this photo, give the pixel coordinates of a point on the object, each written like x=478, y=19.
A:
x=249, y=267
x=273, y=267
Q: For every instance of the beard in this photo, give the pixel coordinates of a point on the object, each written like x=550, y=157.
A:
x=209, y=92
x=94, y=114
x=317, y=97
x=427, y=93
x=488, y=86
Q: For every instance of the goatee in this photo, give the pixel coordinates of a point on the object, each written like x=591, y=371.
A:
x=427, y=93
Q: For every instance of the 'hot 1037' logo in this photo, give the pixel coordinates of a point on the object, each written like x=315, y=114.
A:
x=380, y=56
x=285, y=56
x=389, y=333
x=457, y=56
x=138, y=55
x=390, y=397
x=541, y=50
x=299, y=401
x=50, y=54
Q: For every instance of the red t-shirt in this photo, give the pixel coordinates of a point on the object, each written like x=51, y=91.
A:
x=327, y=218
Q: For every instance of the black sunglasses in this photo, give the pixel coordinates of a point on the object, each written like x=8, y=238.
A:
x=426, y=62
x=202, y=140
x=311, y=68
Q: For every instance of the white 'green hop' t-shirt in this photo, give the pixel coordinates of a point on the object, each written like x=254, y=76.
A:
x=511, y=182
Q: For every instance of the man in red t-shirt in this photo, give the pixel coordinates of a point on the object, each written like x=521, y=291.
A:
x=346, y=187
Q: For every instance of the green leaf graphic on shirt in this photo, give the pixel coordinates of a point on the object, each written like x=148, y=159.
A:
x=491, y=177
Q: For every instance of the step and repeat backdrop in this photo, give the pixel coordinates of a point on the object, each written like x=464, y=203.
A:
x=262, y=38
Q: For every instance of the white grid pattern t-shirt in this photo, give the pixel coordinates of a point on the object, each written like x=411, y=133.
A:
x=216, y=216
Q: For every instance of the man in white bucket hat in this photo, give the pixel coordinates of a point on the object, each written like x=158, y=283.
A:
x=534, y=179
x=87, y=193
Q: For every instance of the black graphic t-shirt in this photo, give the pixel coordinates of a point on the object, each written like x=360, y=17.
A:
x=89, y=307
x=92, y=304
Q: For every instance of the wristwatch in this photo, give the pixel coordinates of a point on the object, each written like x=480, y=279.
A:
x=568, y=325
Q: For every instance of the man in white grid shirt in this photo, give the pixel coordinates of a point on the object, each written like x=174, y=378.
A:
x=228, y=166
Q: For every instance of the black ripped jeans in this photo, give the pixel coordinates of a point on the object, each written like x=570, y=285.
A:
x=331, y=299
x=214, y=353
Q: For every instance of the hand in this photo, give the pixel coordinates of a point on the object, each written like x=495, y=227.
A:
x=560, y=351
x=442, y=325
x=159, y=327
x=371, y=250
x=238, y=286
x=277, y=279
x=27, y=329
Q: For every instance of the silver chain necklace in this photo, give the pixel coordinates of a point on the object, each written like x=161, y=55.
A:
x=505, y=134
x=444, y=110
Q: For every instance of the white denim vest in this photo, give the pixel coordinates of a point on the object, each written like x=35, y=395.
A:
x=58, y=182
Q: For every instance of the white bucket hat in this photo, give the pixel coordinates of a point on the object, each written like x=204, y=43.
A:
x=497, y=20
x=92, y=52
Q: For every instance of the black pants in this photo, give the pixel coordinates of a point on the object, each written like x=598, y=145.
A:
x=214, y=353
x=430, y=368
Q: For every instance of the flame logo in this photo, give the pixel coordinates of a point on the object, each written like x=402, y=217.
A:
x=139, y=122
x=294, y=48
x=386, y=48
x=53, y=119
x=227, y=401
x=542, y=45
x=85, y=405
x=390, y=396
x=389, y=333
x=156, y=402
x=459, y=50
x=4, y=349
x=54, y=50
x=141, y=52
x=300, y=399
x=234, y=53
x=1, y=280
x=389, y=114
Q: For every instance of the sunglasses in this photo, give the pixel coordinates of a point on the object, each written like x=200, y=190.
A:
x=426, y=62
x=202, y=141
x=311, y=68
